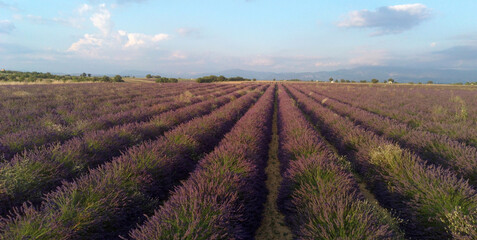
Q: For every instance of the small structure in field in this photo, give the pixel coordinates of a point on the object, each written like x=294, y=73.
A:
x=3, y=70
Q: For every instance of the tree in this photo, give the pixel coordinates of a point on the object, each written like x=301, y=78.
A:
x=430, y=82
x=221, y=78
x=148, y=76
x=331, y=79
x=106, y=79
x=390, y=80
x=83, y=75
x=374, y=80
x=118, y=78
x=166, y=80
x=89, y=74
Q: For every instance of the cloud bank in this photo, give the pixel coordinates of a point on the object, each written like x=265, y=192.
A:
x=109, y=43
x=387, y=20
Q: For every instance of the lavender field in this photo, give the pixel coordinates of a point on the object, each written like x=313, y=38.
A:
x=249, y=160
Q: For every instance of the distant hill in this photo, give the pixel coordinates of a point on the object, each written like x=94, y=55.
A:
x=399, y=74
x=364, y=73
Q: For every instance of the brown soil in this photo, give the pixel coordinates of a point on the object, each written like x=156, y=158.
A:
x=273, y=223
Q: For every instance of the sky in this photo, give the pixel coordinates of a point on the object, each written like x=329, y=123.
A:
x=190, y=36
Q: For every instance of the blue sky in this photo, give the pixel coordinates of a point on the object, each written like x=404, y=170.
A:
x=185, y=36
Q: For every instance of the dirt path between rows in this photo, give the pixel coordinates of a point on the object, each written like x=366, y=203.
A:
x=273, y=222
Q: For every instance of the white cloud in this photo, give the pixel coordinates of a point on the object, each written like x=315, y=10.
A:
x=102, y=20
x=387, y=20
x=84, y=8
x=413, y=9
x=139, y=39
x=88, y=40
x=433, y=44
x=110, y=43
x=6, y=26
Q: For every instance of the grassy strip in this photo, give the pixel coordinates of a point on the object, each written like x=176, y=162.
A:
x=222, y=199
x=319, y=195
x=435, y=203
x=30, y=176
x=273, y=223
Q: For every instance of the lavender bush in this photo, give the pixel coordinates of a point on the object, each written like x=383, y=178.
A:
x=222, y=199
x=433, y=201
x=28, y=176
x=319, y=196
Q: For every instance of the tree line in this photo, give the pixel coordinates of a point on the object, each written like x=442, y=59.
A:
x=214, y=78
x=17, y=76
x=160, y=79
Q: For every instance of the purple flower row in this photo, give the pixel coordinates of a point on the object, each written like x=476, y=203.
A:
x=432, y=147
x=30, y=175
x=223, y=197
x=73, y=114
x=319, y=196
x=443, y=110
x=65, y=104
x=110, y=199
x=433, y=202
x=36, y=136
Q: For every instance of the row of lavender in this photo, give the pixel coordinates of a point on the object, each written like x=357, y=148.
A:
x=222, y=198
x=28, y=176
x=13, y=143
x=319, y=195
x=25, y=106
x=33, y=109
x=449, y=112
x=140, y=110
x=110, y=199
x=433, y=202
x=434, y=148
x=71, y=113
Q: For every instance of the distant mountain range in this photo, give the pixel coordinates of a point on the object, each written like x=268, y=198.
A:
x=399, y=74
